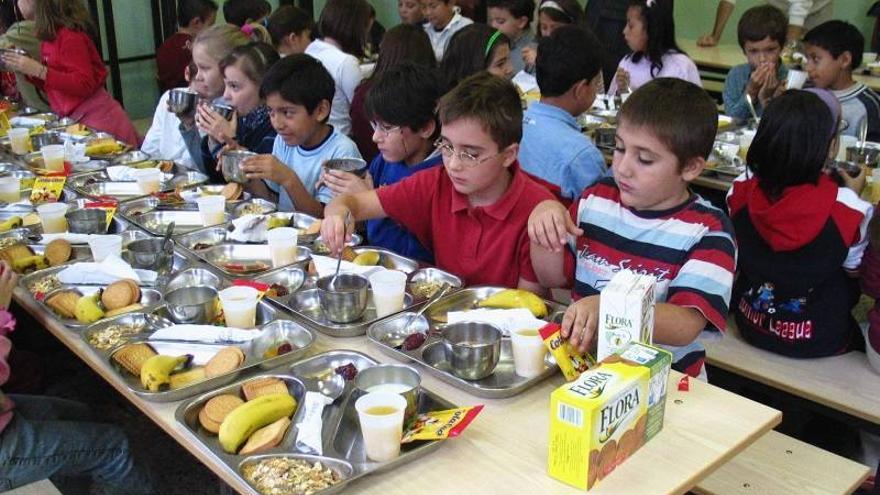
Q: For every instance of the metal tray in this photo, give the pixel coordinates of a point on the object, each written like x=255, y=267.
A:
x=255, y=255
x=219, y=234
x=149, y=298
x=24, y=202
x=98, y=184
x=254, y=206
x=270, y=334
x=342, y=441
x=391, y=260
x=431, y=355
x=191, y=195
x=156, y=221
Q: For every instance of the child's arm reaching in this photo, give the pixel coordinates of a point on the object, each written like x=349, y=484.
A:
x=268, y=167
x=549, y=227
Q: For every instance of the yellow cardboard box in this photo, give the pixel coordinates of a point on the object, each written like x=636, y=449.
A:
x=600, y=419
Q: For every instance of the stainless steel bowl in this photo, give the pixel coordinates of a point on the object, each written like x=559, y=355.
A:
x=868, y=155
x=346, y=301
x=473, y=349
x=230, y=165
x=353, y=165
x=87, y=221
x=192, y=305
x=45, y=139
x=182, y=101
x=193, y=277
x=225, y=111
x=151, y=254
x=406, y=378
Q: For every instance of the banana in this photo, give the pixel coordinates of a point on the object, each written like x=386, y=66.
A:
x=102, y=147
x=156, y=371
x=10, y=223
x=37, y=262
x=516, y=298
x=249, y=417
x=87, y=309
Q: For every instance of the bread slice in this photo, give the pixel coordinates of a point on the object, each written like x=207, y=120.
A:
x=266, y=437
x=133, y=356
x=263, y=386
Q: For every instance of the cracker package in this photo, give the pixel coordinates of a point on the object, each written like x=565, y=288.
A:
x=600, y=419
x=626, y=312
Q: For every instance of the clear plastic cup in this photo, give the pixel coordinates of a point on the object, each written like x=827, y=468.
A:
x=388, y=288
x=745, y=142
x=528, y=352
x=19, y=140
x=52, y=217
x=796, y=79
x=103, y=246
x=53, y=157
x=149, y=180
x=282, y=245
x=10, y=189
x=381, y=420
x=212, y=209
x=239, y=306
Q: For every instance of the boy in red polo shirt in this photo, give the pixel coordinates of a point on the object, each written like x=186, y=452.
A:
x=472, y=212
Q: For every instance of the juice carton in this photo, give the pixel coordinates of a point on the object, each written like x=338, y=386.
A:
x=626, y=312
x=600, y=419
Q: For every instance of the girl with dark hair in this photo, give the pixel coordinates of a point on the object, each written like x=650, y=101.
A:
x=291, y=29
x=801, y=236
x=551, y=15
x=473, y=49
x=650, y=34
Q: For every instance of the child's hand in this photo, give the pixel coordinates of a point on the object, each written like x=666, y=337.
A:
x=529, y=55
x=580, y=322
x=856, y=183
x=336, y=228
x=8, y=280
x=622, y=81
x=266, y=167
x=226, y=147
x=212, y=123
x=23, y=64
x=346, y=182
x=550, y=224
x=707, y=40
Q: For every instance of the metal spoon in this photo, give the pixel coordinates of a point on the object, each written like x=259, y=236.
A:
x=332, y=284
x=167, y=238
x=863, y=134
x=752, y=107
x=436, y=297
x=331, y=385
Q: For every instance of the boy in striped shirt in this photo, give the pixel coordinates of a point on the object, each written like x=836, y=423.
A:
x=647, y=220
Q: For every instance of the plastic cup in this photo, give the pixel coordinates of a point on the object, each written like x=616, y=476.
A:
x=528, y=352
x=149, y=180
x=212, y=209
x=388, y=288
x=381, y=418
x=18, y=140
x=10, y=189
x=239, y=306
x=103, y=246
x=52, y=217
x=745, y=142
x=282, y=245
x=53, y=157
x=796, y=79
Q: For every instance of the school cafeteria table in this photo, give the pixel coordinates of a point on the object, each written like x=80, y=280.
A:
x=505, y=449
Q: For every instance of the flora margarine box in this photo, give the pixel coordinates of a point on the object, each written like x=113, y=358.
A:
x=626, y=312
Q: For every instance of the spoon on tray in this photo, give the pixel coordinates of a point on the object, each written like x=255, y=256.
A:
x=332, y=284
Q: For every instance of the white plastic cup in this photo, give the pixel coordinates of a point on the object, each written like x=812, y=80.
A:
x=149, y=180
x=103, y=246
x=282, y=245
x=528, y=352
x=388, y=288
x=239, y=306
x=381, y=418
x=52, y=217
x=212, y=209
x=745, y=142
x=53, y=157
x=796, y=79
x=18, y=140
x=845, y=142
x=10, y=189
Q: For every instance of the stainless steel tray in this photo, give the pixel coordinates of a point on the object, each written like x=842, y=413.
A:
x=156, y=221
x=194, y=193
x=253, y=206
x=149, y=298
x=201, y=239
x=98, y=184
x=254, y=259
x=342, y=441
x=387, y=335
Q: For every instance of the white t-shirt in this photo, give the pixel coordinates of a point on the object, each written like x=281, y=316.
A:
x=440, y=39
x=806, y=13
x=163, y=140
x=346, y=73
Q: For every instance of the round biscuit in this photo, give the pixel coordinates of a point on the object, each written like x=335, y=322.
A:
x=226, y=360
x=217, y=408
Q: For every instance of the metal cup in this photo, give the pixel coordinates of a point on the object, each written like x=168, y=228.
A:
x=868, y=155
x=472, y=348
x=225, y=111
x=346, y=300
x=182, y=101
x=230, y=165
x=395, y=376
x=87, y=221
x=356, y=166
x=195, y=305
x=151, y=254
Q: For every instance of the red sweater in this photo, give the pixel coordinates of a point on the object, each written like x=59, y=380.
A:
x=74, y=70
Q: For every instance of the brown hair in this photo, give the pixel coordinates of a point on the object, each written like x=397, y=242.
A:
x=491, y=101
x=404, y=42
x=657, y=107
x=220, y=40
x=763, y=21
x=254, y=59
x=51, y=15
x=346, y=22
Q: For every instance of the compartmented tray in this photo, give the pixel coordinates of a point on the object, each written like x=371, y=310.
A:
x=158, y=220
x=389, y=334
x=24, y=202
x=98, y=184
x=245, y=260
x=194, y=193
x=342, y=440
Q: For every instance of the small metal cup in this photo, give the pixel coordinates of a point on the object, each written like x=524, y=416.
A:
x=230, y=165
x=225, y=111
x=472, y=348
x=182, y=101
x=346, y=301
x=869, y=156
x=151, y=254
x=87, y=221
x=195, y=305
x=356, y=166
x=401, y=375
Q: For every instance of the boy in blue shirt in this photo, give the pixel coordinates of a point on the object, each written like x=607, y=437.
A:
x=553, y=149
x=401, y=105
x=298, y=91
x=761, y=34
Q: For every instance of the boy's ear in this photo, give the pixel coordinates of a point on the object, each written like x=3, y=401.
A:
x=510, y=154
x=322, y=111
x=692, y=168
x=427, y=130
x=845, y=59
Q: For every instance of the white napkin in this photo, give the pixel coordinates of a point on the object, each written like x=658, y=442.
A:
x=26, y=121
x=525, y=81
x=249, y=228
x=508, y=320
x=204, y=333
x=69, y=237
x=327, y=266
x=124, y=173
x=75, y=152
x=108, y=271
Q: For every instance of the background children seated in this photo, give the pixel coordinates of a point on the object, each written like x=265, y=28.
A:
x=241, y=12
x=475, y=48
x=551, y=15
x=22, y=35
x=444, y=20
x=471, y=212
x=410, y=12
x=553, y=147
x=650, y=34
x=761, y=35
x=796, y=287
x=834, y=50
x=291, y=30
x=514, y=19
x=175, y=53
x=646, y=219
x=298, y=91
x=163, y=138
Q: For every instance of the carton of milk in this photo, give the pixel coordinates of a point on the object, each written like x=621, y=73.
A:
x=626, y=312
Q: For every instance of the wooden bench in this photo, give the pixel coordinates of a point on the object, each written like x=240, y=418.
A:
x=42, y=487
x=777, y=464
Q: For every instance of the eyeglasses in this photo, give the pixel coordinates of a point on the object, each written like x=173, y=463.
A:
x=466, y=159
x=383, y=129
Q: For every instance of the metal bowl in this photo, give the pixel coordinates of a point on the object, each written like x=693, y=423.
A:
x=346, y=301
x=869, y=155
x=45, y=139
x=230, y=165
x=193, y=277
x=182, y=101
x=406, y=377
x=356, y=166
x=473, y=349
x=192, y=305
x=87, y=221
x=225, y=111
x=604, y=137
x=151, y=254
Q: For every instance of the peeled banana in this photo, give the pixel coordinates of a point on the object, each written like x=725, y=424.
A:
x=156, y=371
x=516, y=298
x=102, y=147
x=10, y=223
x=249, y=417
x=87, y=309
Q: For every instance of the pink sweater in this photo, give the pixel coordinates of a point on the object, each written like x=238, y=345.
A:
x=7, y=324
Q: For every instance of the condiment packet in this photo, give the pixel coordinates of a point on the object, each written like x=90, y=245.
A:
x=440, y=425
x=570, y=361
x=310, y=428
